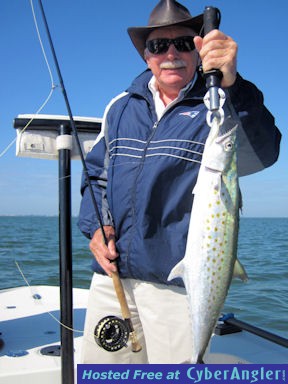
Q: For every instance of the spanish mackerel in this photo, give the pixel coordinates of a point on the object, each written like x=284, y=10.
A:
x=210, y=256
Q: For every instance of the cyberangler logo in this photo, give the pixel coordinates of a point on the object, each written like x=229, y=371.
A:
x=241, y=374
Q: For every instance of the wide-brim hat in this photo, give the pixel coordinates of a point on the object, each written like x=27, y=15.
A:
x=166, y=13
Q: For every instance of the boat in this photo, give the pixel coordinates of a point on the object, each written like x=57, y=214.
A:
x=30, y=349
x=41, y=327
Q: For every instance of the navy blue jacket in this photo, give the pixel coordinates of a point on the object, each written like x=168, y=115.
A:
x=143, y=171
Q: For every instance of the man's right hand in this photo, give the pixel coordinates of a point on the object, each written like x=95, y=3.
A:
x=105, y=254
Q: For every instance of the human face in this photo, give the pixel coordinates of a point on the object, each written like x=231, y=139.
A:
x=172, y=69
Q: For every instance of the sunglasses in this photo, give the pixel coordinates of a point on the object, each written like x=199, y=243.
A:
x=182, y=44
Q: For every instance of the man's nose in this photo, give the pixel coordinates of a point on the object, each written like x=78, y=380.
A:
x=172, y=51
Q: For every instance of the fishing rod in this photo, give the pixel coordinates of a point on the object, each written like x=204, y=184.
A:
x=111, y=333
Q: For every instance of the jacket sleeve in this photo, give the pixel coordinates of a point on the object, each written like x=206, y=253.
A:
x=97, y=164
x=258, y=138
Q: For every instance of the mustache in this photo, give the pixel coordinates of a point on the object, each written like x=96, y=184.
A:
x=177, y=63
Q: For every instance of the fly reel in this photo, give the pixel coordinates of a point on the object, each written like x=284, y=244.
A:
x=111, y=333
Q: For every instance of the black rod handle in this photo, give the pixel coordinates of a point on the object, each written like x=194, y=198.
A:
x=212, y=18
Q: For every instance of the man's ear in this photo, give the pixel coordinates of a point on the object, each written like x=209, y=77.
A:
x=146, y=56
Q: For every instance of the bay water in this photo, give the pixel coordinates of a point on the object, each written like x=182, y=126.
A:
x=32, y=243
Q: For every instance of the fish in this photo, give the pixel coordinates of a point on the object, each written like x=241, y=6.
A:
x=210, y=259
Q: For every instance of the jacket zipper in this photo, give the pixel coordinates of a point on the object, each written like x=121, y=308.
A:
x=134, y=197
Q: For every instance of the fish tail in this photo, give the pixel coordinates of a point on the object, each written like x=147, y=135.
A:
x=200, y=360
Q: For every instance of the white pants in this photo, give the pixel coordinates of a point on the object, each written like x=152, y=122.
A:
x=159, y=316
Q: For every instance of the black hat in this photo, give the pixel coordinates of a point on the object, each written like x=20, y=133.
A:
x=166, y=13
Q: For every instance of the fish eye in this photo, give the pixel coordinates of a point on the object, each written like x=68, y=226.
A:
x=228, y=146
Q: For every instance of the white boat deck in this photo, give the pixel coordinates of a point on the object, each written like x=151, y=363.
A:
x=27, y=326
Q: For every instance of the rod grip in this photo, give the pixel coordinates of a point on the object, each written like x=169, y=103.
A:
x=136, y=346
x=212, y=18
x=121, y=295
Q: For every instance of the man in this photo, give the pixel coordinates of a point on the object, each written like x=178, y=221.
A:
x=143, y=168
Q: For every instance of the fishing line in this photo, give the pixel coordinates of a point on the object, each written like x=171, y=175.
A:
x=53, y=86
x=27, y=125
x=111, y=333
x=36, y=299
x=107, y=335
x=41, y=44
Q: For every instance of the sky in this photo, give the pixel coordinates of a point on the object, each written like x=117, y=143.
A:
x=98, y=61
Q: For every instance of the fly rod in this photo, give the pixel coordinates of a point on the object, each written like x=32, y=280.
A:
x=126, y=324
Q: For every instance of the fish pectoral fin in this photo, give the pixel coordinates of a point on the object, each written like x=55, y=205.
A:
x=239, y=271
x=177, y=271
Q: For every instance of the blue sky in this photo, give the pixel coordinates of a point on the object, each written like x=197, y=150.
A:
x=98, y=61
